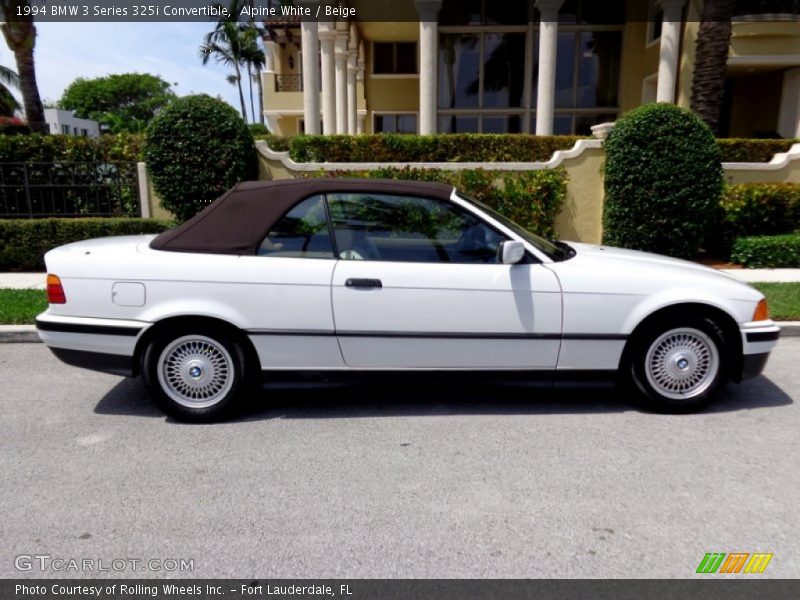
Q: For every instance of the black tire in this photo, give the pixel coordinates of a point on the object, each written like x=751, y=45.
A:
x=678, y=365
x=195, y=374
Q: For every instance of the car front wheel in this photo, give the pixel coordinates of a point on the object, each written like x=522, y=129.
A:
x=680, y=366
x=194, y=375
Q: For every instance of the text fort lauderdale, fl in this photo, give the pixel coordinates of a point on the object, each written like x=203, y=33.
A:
x=343, y=12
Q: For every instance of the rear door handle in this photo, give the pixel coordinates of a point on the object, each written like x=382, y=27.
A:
x=363, y=283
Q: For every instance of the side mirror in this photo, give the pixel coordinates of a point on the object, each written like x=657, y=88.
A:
x=510, y=252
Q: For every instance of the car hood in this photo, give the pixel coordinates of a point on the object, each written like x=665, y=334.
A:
x=644, y=258
x=620, y=270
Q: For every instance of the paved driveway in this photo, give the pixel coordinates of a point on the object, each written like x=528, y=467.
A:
x=418, y=481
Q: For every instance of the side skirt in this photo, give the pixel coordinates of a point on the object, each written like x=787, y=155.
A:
x=583, y=379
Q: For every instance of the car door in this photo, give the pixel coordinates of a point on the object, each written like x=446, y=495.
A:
x=418, y=285
x=289, y=310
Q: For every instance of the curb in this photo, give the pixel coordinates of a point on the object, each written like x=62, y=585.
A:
x=26, y=334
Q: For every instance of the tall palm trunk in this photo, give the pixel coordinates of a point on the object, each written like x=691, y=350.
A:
x=260, y=85
x=250, y=89
x=20, y=35
x=241, y=93
x=713, y=41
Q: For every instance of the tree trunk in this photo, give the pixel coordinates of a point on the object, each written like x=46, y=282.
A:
x=20, y=35
x=260, y=98
x=34, y=111
x=241, y=93
x=250, y=89
x=713, y=41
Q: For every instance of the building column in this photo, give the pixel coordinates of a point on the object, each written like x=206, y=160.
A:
x=670, y=50
x=327, y=40
x=428, y=49
x=361, y=64
x=548, y=45
x=341, y=80
x=310, y=44
x=789, y=113
x=269, y=57
x=352, y=74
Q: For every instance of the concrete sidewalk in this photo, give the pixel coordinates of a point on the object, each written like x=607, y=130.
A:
x=36, y=281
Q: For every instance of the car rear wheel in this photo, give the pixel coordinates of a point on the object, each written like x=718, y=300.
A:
x=679, y=366
x=195, y=375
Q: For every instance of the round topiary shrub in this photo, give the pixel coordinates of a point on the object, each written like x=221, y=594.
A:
x=663, y=181
x=196, y=148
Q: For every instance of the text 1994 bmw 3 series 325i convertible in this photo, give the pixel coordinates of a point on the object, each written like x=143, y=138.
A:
x=360, y=275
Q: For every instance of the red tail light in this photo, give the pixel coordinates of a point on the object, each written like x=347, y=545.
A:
x=55, y=292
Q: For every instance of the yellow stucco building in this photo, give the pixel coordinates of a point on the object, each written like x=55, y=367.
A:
x=530, y=66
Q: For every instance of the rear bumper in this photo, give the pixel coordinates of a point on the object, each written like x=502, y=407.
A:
x=106, y=345
x=115, y=364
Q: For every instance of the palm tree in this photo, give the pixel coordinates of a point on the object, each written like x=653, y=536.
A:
x=224, y=44
x=713, y=41
x=20, y=35
x=8, y=104
x=254, y=60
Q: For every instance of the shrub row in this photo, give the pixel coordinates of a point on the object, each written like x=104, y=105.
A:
x=768, y=252
x=53, y=148
x=744, y=150
x=531, y=198
x=23, y=242
x=471, y=147
x=467, y=147
x=762, y=208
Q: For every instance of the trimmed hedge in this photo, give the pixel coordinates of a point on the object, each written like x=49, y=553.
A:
x=197, y=148
x=467, y=147
x=762, y=208
x=122, y=147
x=663, y=181
x=23, y=242
x=530, y=198
x=278, y=143
x=768, y=252
x=753, y=209
x=744, y=150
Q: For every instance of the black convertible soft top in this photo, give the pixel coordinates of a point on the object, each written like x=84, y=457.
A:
x=238, y=221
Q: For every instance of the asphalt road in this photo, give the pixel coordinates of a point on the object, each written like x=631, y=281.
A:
x=418, y=481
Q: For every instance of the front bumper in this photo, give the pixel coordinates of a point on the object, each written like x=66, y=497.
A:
x=758, y=340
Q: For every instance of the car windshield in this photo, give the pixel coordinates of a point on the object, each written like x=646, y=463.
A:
x=552, y=248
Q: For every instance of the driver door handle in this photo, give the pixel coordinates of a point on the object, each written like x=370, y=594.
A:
x=363, y=283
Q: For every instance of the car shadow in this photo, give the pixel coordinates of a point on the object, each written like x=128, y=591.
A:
x=342, y=399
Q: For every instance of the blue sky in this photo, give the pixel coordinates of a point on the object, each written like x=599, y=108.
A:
x=65, y=51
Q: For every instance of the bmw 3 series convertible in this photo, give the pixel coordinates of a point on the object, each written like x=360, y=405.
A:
x=370, y=275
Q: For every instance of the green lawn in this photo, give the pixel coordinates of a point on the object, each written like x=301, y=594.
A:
x=21, y=306
x=783, y=300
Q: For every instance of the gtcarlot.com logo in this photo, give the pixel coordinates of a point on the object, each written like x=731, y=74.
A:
x=735, y=562
x=45, y=562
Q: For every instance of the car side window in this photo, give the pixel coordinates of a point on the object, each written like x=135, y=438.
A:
x=409, y=229
x=301, y=233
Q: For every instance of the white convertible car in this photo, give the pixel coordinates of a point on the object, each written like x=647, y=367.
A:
x=358, y=275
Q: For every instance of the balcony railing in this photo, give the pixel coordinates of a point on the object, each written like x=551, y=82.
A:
x=766, y=10
x=288, y=83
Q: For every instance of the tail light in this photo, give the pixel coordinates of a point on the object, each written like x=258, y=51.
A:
x=762, y=312
x=55, y=291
